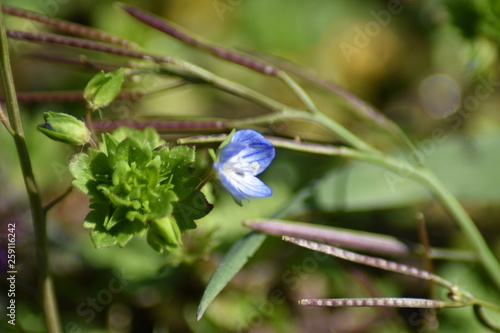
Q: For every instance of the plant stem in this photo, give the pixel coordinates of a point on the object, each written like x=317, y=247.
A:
x=428, y=179
x=487, y=304
x=422, y=175
x=465, y=223
x=5, y=122
x=58, y=199
x=481, y=315
x=298, y=91
x=343, y=133
x=187, y=71
x=88, y=44
x=361, y=108
x=234, y=88
x=39, y=219
x=196, y=41
x=66, y=26
x=244, y=60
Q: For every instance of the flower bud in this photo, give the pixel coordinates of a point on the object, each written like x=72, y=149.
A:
x=64, y=128
x=163, y=233
x=103, y=88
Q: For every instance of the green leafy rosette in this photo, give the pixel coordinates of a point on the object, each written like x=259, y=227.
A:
x=138, y=185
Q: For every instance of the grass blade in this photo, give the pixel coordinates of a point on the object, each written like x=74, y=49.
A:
x=235, y=259
x=240, y=252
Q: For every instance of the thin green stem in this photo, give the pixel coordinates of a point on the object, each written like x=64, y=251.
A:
x=465, y=223
x=184, y=67
x=39, y=219
x=197, y=74
x=242, y=91
x=361, y=108
x=54, y=202
x=484, y=319
x=244, y=60
x=301, y=94
x=450, y=203
x=5, y=122
x=343, y=133
x=285, y=115
x=404, y=170
x=320, y=118
x=88, y=121
x=306, y=147
x=486, y=304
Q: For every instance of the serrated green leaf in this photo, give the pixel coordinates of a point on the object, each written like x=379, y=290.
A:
x=125, y=231
x=184, y=186
x=120, y=233
x=120, y=170
x=90, y=170
x=193, y=207
x=96, y=216
x=134, y=215
x=115, y=218
x=152, y=173
x=99, y=165
x=160, y=201
x=103, y=88
x=108, y=144
x=100, y=238
x=150, y=136
x=79, y=167
x=95, y=220
x=178, y=159
x=145, y=136
x=131, y=150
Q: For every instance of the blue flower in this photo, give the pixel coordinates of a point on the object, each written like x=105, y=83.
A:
x=242, y=157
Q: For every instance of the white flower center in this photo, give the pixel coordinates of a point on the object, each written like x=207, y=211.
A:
x=239, y=166
x=255, y=166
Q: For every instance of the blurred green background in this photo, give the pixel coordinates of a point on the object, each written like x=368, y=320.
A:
x=432, y=66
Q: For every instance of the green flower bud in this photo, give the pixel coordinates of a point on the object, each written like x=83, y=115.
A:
x=163, y=233
x=103, y=88
x=64, y=128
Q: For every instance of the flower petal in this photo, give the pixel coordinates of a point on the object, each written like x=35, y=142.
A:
x=243, y=184
x=229, y=184
x=230, y=150
x=247, y=135
x=251, y=186
x=246, y=155
x=259, y=149
x=262, y=155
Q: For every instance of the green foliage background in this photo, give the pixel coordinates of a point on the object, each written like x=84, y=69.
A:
x=161, y=292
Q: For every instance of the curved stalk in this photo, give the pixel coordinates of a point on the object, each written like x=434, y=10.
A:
x=46, y=289
x=463, y=220
x=422, y=175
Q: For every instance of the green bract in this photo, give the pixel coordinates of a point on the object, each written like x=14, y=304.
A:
x=103, y=88
x=139, y=185
x=65, y=128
